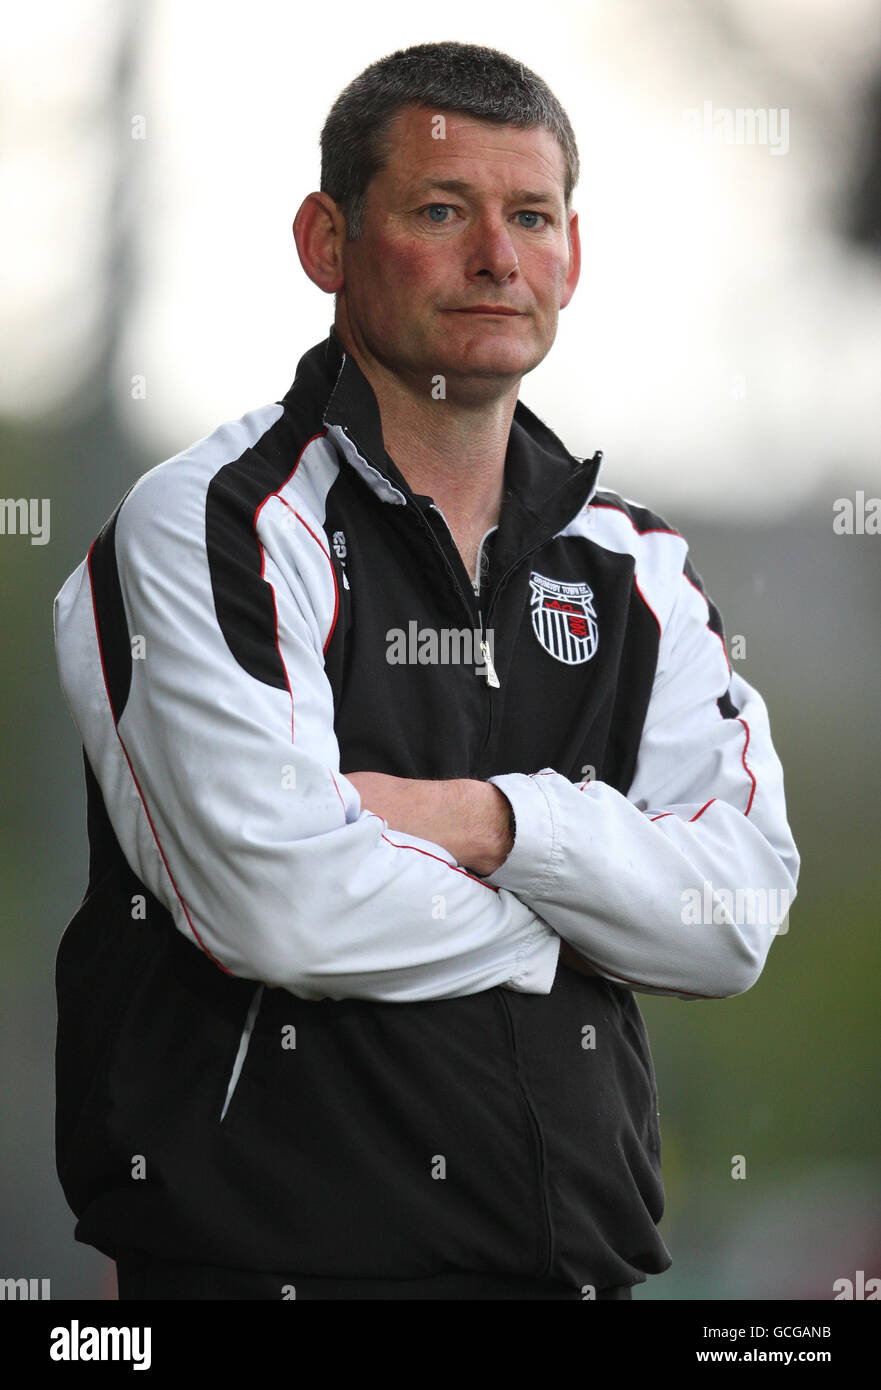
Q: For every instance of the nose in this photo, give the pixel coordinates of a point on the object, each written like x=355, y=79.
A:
x=492, y=253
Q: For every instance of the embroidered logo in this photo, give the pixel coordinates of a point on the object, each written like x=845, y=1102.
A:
x=564, y=619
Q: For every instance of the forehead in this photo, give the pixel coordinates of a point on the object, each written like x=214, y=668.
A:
x=422, y=144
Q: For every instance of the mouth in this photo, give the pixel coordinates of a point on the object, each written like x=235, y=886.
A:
x=493, y=310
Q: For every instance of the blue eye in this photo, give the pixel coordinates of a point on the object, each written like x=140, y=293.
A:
x=438, y=207
x=530, y=225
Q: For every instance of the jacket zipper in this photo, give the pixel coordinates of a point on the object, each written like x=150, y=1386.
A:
x=546, y=1236
x=489, y=669
x=486, y=669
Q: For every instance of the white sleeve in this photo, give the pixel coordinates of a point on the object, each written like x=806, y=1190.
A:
x=225, y=792
x=680, y=886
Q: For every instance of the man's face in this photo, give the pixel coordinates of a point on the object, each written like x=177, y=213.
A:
x=464, y=261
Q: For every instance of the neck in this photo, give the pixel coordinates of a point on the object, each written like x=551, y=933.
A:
x=451, y=448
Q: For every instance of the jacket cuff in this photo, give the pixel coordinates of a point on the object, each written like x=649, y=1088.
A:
x=529, y=865
x=537, y=960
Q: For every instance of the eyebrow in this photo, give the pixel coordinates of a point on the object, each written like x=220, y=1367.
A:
x=520, y=195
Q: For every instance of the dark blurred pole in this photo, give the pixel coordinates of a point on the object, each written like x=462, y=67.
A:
x=864, y=220
x=119, y=276
x=105, y=437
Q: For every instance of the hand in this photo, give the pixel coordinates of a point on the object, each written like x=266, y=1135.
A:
x=468, y=818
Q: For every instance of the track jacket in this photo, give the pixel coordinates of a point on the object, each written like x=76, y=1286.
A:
x=291, y=1038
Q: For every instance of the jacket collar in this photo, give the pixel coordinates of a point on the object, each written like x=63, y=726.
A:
x=545, y=485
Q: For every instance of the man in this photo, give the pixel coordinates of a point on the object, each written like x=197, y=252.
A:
x=405, y=748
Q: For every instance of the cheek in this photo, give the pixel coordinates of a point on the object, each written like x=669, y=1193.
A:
x=410, y=270
x=548, y=272
x=400, y=278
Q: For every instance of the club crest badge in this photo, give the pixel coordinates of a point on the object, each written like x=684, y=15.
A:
x=564, y=619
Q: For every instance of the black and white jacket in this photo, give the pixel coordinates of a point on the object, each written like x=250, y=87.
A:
x=335, y=1051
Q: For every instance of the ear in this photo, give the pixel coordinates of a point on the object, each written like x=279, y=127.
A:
x=574, y=261
x=319, y=232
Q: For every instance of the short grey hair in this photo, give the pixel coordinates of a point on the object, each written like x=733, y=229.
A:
x=460, y=77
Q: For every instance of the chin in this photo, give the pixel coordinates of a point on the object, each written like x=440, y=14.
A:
x=495, y=360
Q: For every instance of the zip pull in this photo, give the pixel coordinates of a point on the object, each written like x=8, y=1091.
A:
x=488, y=669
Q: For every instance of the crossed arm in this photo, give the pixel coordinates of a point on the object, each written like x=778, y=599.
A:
x=471, y=819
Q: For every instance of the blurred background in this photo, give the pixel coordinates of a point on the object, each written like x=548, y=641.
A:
x=723, y=349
